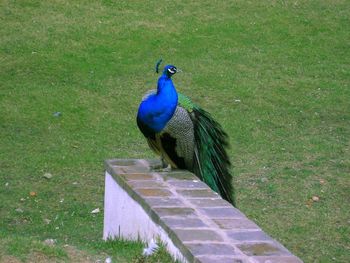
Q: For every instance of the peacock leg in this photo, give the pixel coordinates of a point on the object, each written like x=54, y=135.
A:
x=164, y=163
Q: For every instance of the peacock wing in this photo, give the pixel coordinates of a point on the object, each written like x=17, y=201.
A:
x=177, y=140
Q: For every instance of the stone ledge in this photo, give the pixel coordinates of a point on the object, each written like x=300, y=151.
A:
x=194, y=222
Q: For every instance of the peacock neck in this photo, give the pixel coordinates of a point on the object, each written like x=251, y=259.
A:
x=157, y=109
x=164, y=103
x=166, y=91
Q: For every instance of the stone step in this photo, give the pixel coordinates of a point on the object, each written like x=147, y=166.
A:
x=142, y=202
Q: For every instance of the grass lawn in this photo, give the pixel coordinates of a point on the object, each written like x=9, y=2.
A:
x=275, y=74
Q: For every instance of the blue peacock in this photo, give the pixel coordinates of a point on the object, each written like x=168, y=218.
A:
x=184, y=135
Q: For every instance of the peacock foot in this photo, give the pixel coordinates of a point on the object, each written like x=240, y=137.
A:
x=164, y=167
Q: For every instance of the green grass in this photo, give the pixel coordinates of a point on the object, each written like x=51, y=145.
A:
x=286, y=61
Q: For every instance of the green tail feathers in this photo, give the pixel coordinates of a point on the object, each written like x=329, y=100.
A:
x=213, y=160
x=212, y=164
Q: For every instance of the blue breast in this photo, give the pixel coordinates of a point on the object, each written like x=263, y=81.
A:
x=156, y=110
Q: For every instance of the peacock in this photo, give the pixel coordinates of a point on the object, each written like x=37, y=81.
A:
x=184, y=135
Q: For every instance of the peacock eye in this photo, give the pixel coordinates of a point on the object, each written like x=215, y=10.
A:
x=172, y=70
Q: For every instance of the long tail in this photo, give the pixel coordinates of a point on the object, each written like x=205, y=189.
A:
x=212, y=162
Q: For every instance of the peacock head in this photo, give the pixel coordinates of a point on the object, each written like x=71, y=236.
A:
x=169, y=70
